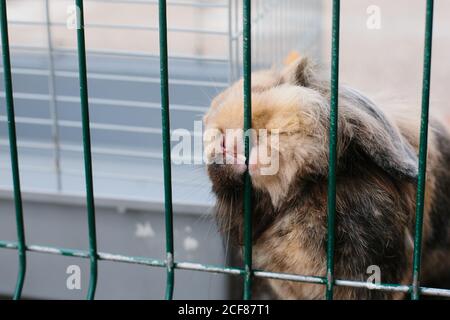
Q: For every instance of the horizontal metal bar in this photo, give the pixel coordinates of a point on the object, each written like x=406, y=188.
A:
x=170, y=3
x=289, y=277
x=372, y=286
x=118, y=53
x=77, y=124
x=208, y=268
x=104, y=174
x=85, y=254
x=117, y=77
x=95, y=150
x=121, y=27
x=94, y=125
x=223, y=270
x=108, y=200
x=106, y=102
x=434, y=292
x=76, y=148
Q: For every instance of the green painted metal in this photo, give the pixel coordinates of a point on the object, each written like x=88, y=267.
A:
x=85, y=254
x=423, y=148
x=162, y=264
x=247, y=272
x=165, y=115
x=247, y=58
x=82, y=70
x=13, y=151
x=218, y=269
x=331, y=206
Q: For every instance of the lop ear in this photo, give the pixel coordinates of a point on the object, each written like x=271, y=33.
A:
x=368, y=128
x=300, y=71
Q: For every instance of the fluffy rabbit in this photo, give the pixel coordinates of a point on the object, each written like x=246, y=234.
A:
x=376, y=184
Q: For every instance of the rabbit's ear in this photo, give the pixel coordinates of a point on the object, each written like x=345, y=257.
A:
x=299, y=72
x=368, y=128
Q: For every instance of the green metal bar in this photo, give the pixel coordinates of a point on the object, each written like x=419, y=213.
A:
x=85, y=254
x=165, y=115
x=247, y=47
x=13, y=151
x=82, y=69
x=423, y=149
x=331, y=206
x=220, y=269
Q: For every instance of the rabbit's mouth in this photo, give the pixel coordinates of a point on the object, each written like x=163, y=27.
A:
x=229, y=157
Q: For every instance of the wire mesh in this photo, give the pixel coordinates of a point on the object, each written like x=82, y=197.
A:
x=170, y=264
x=205, y=55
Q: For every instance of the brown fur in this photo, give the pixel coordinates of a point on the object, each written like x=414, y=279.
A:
x=376, y=186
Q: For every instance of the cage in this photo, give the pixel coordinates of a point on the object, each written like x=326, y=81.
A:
x=192, y=253
x=205, y=56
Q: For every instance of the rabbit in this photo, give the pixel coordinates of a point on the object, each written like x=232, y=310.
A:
x=377, y=169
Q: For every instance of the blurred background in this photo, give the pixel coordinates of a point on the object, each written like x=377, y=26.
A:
x=381, y=55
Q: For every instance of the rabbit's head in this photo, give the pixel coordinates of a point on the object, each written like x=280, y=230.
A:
x=289, y=139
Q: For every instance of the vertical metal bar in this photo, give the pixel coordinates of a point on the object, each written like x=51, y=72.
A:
x=82, y=69
x=165, y=114
x=423, y=149
x=331, y=208
x=13, y=151
x=247, y=57
x=52, y=101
